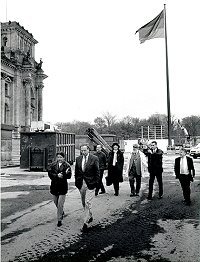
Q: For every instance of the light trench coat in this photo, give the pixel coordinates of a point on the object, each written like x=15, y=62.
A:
x=144, y=164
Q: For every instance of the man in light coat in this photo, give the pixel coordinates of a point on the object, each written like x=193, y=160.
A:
x=136, y=168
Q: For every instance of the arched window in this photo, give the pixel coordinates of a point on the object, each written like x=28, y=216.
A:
x=5, y=39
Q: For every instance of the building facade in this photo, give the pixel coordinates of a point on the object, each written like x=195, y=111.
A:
x=21, y=87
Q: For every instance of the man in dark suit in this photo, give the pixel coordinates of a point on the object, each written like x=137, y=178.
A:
x=102, y=166
x=155, y=168
x=87, y=178
x=185, y=172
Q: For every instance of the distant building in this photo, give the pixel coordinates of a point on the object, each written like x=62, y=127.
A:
x=21, y=88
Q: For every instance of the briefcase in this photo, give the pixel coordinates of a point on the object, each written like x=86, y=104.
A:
x=108, y=181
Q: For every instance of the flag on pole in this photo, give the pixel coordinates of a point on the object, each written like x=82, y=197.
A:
x=153, y=29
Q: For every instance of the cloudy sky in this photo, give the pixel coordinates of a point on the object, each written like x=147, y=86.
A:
x=95, y=63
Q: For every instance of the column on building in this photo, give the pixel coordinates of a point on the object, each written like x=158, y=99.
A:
x=27, y=85
x=17, y=99
x=11, y=99
x=2, y=99
x=40, y=101
x=40, y=76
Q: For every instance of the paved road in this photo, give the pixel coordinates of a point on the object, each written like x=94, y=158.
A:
x=124, y=228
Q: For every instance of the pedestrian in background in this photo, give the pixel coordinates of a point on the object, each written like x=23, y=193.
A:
x=136, y=166
x=155, y=157
x=59, y=171
x=102, y=166
x=86, y=180
x=115, y=167
x=185, y=172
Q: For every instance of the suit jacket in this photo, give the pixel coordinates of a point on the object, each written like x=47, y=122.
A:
x=143, y=162
x=91, y=174
x=59, y=186
x=190, y=167
x=102, y=159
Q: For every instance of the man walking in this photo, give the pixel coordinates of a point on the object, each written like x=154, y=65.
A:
x=59, y=171
x=155, y=168
x=102, y=166
x=185, y=172
x=137, y=164
x=86, y=180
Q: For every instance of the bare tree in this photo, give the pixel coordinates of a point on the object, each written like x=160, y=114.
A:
x=192, y=124
x=100, y=123
x=110, y=119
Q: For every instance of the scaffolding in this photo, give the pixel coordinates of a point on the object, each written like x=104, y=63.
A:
x=152, y=132
x=96, y=138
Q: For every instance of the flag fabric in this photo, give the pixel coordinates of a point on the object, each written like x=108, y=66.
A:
x=153, y=29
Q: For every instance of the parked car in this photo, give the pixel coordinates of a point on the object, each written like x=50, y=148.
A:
x=195, y=151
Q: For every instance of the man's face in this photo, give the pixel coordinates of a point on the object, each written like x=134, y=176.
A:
x=60, y=158
x=135, y=150
x=98, y=148
x=153, y=146
x=85, y=150
x=182, y=152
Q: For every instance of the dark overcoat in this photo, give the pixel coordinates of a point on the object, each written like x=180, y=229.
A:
x=155, y=162
x=59, y=186
x=115, y=173
x=91, y=174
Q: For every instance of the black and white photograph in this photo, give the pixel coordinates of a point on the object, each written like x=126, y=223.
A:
x=100, y=131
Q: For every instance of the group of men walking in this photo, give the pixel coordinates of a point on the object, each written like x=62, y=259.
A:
x=89, y=170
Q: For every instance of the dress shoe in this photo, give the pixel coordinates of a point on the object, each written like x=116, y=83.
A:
x=132, y=194
x=84, y=228
x=90, y=220
x=96, y=193
x=59, y=224
x=137, y=194
x=116, y=194
x=102, y=192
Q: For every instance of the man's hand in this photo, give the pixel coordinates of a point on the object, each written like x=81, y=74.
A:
x=60, y=175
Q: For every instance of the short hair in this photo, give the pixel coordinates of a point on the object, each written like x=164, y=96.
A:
x=60, y=153
x=154, y=142
x=86, y=146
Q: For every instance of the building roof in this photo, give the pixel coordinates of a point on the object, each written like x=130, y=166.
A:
x=16, y=26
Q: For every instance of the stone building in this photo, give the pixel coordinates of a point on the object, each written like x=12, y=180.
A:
x=21, y=88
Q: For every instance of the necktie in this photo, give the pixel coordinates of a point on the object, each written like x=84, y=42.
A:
x=85, y=162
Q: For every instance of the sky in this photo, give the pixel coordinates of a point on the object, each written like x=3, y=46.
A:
x=96, y=64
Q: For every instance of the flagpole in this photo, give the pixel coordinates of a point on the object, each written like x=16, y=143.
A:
x=167, y=78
